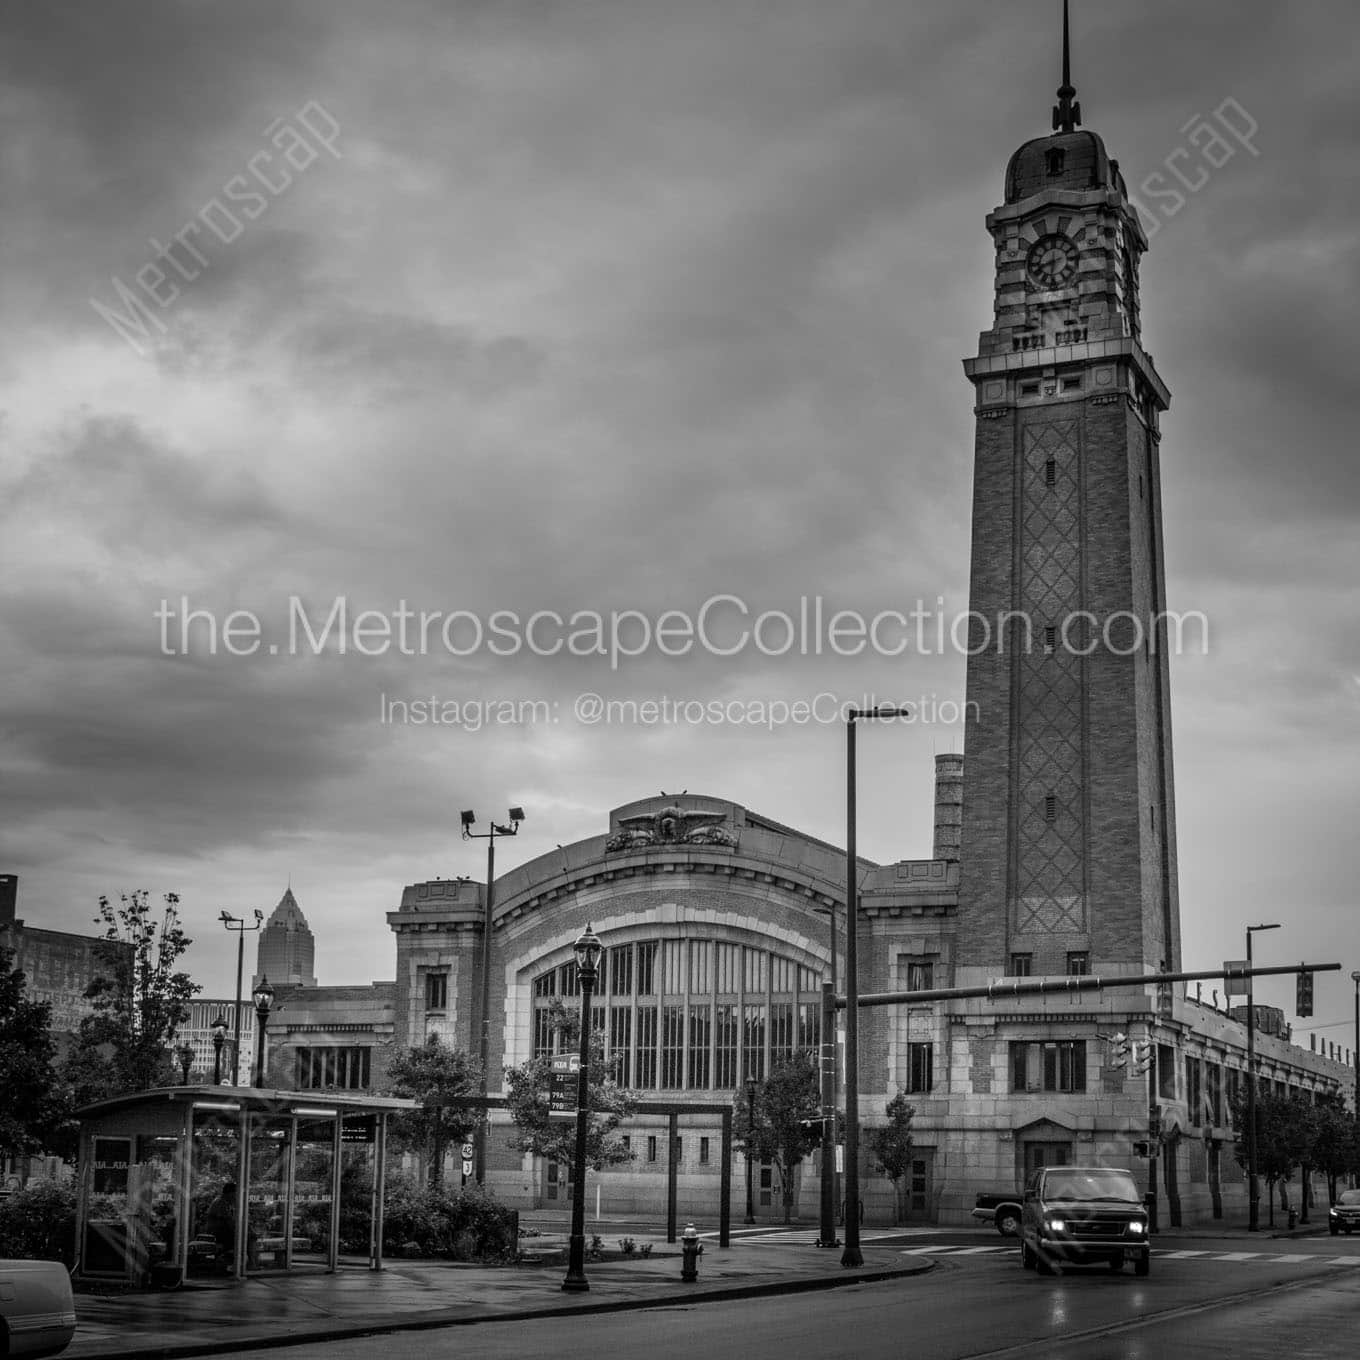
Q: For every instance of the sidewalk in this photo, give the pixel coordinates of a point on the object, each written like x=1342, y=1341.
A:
x=277, y=1310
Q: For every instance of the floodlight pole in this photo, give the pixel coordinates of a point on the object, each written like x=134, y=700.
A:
x=489, y=899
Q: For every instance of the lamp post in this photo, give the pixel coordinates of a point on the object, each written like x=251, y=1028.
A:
x=1355, y=1053
x=263, y=997
x=185, y=1053
x=750, y=1138
x=468, y=819
x=852, y=1256
x=587, y=950
x=1253, y=1182
x=219, y=1037
x=239, y=926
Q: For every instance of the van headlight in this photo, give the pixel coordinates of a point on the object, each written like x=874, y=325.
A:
x=1055, y=1225
x=1137, y=1229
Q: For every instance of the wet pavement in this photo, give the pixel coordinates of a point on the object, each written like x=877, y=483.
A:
x=223, y=1317
x=204, y=1318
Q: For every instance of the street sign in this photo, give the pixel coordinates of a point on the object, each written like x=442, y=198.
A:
x=467, y=1151
x=1235, y=982
x=467, y=1166
x=566, y=1069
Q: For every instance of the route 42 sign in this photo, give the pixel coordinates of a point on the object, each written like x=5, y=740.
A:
x=566, y=1070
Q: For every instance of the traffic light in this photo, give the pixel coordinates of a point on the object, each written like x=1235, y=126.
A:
x=1144, y=1054
x=1303, y=1000
x=1119, y=1049
x=1141, y=1149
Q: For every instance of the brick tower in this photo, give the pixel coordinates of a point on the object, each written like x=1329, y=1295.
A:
x=1068, y=846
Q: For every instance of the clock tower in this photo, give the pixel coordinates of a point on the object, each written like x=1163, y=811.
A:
x=1068, y=856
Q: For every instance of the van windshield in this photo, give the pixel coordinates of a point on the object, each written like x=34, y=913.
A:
x=1113, y=1186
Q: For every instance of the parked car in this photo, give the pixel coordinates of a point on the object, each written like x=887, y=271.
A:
x=1083, y=1215
x=1344, y=1215
x=37, y=1312
x=1000, y=1210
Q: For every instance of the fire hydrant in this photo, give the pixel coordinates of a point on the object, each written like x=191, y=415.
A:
x=1293, y=1217
x=691, y=1249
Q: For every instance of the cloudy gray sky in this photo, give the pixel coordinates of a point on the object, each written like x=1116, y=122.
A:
x=619, y=305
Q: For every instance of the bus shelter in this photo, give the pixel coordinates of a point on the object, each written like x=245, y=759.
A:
x=230, y=1181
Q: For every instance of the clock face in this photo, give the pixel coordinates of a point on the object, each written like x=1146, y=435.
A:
x=1052, y=261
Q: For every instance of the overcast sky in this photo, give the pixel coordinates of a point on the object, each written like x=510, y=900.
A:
x=620, y=305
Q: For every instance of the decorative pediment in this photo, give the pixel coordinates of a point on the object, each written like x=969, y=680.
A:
x=672, y=825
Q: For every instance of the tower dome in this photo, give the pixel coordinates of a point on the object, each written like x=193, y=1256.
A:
x=1067, y=158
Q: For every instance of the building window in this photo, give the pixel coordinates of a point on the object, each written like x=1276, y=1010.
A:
x=1166, y=1072
x=1050, y=807
x=651, y=1147
x=1049, y=1066
x=1050, y=644
x=1021, y=965
x=1029, y=389
x=920, y=1068
x=700, y=1038
x=1213, y=1099
x=920, y=976
x=621, y=970
x=1071, y=384
x=1051, y=472
x=436, y=991
x=1078, y=963
x=628, y=1142
x=703, y=1151
x=1054, y=160
x=341, y=1069
x=1194, y=1092
x=689, y=1014
x=725, y=1047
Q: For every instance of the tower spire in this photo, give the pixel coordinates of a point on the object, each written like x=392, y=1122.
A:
x=1066, y=112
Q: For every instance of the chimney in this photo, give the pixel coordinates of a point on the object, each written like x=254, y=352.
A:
x=9, y=899
x=948, y=806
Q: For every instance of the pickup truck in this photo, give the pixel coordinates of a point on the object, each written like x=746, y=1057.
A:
x=1083, y=1215
x=1001, y=1210
x=37, y=1312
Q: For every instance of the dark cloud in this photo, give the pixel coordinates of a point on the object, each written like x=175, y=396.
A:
x=605, y=306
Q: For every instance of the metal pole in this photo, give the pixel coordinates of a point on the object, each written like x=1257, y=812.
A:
x=851, y=1256
x=1253, y=1185
x=1355, y=1053
x=484, y=1044
x=576, y=1282
x=236, y=1041
x=827, y=1237
x=750, y=1137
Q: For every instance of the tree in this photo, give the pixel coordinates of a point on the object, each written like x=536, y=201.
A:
x=434, y=1071
x=891, y=1145
x=140, y=1000
x=528, y=1088
x=1283, y=1135
x=784, y=1122
x=1335, y=1151
x=26, y=1074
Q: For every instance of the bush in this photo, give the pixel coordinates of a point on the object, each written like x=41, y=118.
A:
x=38, y=1223
x=466, y=1224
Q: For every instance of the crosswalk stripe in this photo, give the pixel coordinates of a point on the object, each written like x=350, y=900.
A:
x=1179, y=1255
x=1240, y=1256
x=1344, y=1261
x=924, y=1251
x=981, y=1251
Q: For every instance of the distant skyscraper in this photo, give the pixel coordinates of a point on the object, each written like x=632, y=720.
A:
x=286, y=953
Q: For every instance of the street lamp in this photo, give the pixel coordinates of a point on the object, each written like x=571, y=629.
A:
x=588, y=949
x=219, y=1037
x=468, y=819
x=852, y=1256
x=1253, y=1182
x=263, y=997
x=239, y=926
x=750, y=1138
x=185, y=1053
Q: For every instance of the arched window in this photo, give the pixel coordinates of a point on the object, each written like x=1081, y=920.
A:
x=690, y=1014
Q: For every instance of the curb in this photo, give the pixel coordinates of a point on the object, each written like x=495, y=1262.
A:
x=429, y=1321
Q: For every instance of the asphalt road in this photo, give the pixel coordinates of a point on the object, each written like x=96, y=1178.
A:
x=1297, y=1299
